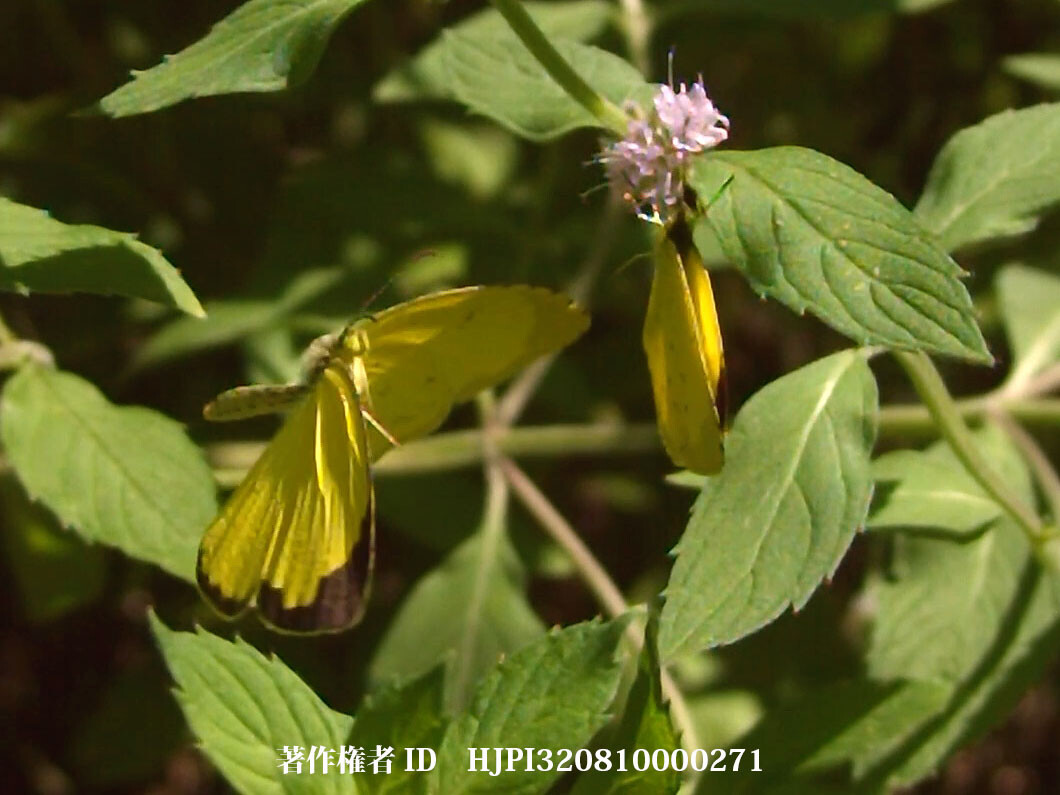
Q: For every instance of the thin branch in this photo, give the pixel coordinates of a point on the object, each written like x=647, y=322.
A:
x=1039, y=462
x=597, y=578
x=637, y=25
x=559, y=69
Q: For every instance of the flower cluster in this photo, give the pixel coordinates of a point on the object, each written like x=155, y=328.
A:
x=648, y=165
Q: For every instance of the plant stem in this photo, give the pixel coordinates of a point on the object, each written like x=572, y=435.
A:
x=1036, y=458
x=914, y=418
x=598, y=580
x=637, y=25
x=932, y=390
x=556, y=65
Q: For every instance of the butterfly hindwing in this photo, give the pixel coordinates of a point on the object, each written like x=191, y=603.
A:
x=682, y=341
x=296, y=537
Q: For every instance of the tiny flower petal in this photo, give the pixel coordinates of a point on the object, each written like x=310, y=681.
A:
x=647, y=165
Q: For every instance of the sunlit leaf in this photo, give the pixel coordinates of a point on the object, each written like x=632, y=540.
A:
x=410, y=715
x=552, y=694
x=777, y=520
x=994, y=179
x=244, y=708
x=40, y=254
x=472, y=605
x=816, y=235
x=124, y=476
x=263, y=45
x=1040, y=68
x=1029, y=300
x=928, y=490
x=426, y=76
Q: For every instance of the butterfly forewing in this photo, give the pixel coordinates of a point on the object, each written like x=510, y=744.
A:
x=429, y=353
x=684, y=358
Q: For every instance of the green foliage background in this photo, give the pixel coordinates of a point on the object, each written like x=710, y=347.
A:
x=283, y=210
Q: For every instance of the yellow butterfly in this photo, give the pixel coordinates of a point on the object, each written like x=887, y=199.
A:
x=683, y=342
x=296, y=537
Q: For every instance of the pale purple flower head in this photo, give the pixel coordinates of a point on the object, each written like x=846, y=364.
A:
x=648, y=165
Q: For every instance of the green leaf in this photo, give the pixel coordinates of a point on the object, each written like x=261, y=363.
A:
x=853, y=722
x=645, y=724
x=472, y=605
x=930, y=491
x=264, y=45
x=1040, y=68
x=1025, y=648
x=426, y=76
x=128, y=477
x=497, y=77
x=245, y=707
x=40, y=254
x=987, y=625
x=54, y=570
x=410, y=715
x=778, y=519
x=942, y=607
x=994, y=179
x=814, y=234
x=1029, y=300
x=551, y=694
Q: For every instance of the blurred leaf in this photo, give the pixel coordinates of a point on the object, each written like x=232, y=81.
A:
x=928, y=490
x=244, y=708
x=410, y=715
x=853, y=721
x=497, y=77
x=263, y=45
x=994, y=179
x=479, y=157
x=127, y=476
x=1030, y=306
x=1025, y=648
x=426, y=76
x=1040, y=68
x=551, y=694
x=803, y=9
x=54, y=570
x=778, y=519
x=814, y=234
x=645, y=724
x=40, y=254
x=473, y=605
x=943, y=605
x=233, y=320
x=114, y=745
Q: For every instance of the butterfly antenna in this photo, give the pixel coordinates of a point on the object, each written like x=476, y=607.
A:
x=379, y=426
x=630, y=261
x=670, y=65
